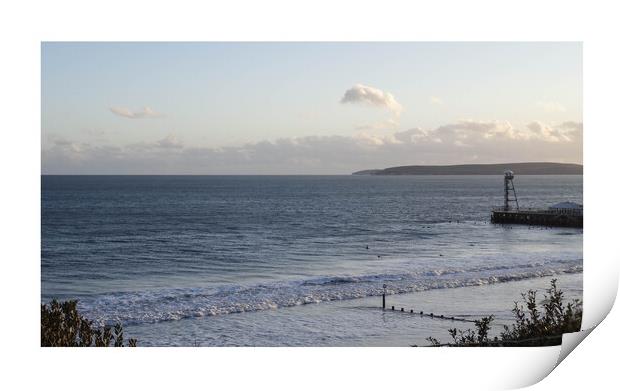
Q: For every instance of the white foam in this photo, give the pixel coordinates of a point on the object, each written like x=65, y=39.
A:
x=173, y=304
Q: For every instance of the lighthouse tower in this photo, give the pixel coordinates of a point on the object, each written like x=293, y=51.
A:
x=509, y=188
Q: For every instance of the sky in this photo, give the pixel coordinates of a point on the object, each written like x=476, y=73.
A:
x=306, y=108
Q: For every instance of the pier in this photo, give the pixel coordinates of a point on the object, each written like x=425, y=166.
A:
x=563, y=214
x=546, y=217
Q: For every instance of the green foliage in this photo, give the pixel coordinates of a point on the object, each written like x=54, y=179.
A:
x=469, y=337
x=531, y=328
x=62, y=325
x=536, y=329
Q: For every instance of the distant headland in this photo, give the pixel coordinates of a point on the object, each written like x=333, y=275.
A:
x=481, y=169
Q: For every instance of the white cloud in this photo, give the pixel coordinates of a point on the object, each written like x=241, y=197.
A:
x=454, y=143
x=434, y=100
x=468, y=131
x=564, y=132
x=360, y=93
x=145, y=112
x=169, y=141
x=387, y=124
x=551, y=107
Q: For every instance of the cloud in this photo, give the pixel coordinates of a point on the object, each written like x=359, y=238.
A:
x=434, y=100
x=170, y=142
x=566, y=131
x=473, y=131
x=372, y=96
x=387, y=124
x=453, y=143
x=61, y=143
x=145, y=112
x=544, y=131
x=551, y=107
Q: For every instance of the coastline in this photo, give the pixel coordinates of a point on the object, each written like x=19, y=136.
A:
x=349, y=319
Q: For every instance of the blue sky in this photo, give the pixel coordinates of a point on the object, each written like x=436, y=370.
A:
x=218, y=107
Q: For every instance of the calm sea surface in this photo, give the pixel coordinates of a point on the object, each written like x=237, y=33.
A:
x=232, y=260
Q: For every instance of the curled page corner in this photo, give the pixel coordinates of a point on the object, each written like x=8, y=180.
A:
x=542, y=361
x=599, y=294
x=570, y=342
x=538, y=363
x=599, y=302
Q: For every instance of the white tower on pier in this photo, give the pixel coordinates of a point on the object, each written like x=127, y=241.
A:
x=508, y=188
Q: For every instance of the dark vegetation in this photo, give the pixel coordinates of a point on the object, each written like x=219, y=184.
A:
x=481, y=169
x=532, y=327
x=62, y=325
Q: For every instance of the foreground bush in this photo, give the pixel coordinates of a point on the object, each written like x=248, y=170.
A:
x=532, y=326
x=62, y=325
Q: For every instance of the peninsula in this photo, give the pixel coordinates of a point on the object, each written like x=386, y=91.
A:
x=536, y=168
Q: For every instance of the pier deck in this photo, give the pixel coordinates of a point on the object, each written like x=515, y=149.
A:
x=545, y=217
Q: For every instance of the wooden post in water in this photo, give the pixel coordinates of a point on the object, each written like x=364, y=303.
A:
x=384, y=286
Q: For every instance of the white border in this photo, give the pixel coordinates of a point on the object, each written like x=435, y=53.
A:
x=25, y=24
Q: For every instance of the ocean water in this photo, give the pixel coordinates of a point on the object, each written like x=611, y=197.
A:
x=296, y=260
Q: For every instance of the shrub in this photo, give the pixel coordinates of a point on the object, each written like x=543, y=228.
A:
x=62, y=325
x=531, y=328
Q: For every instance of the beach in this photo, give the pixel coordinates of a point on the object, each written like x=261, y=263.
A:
x=359, y=322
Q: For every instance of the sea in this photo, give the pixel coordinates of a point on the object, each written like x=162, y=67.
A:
x=299, y=260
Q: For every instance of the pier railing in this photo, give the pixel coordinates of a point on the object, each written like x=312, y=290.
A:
x=573, y=212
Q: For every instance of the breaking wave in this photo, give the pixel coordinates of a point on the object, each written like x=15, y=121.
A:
x=174, y=304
